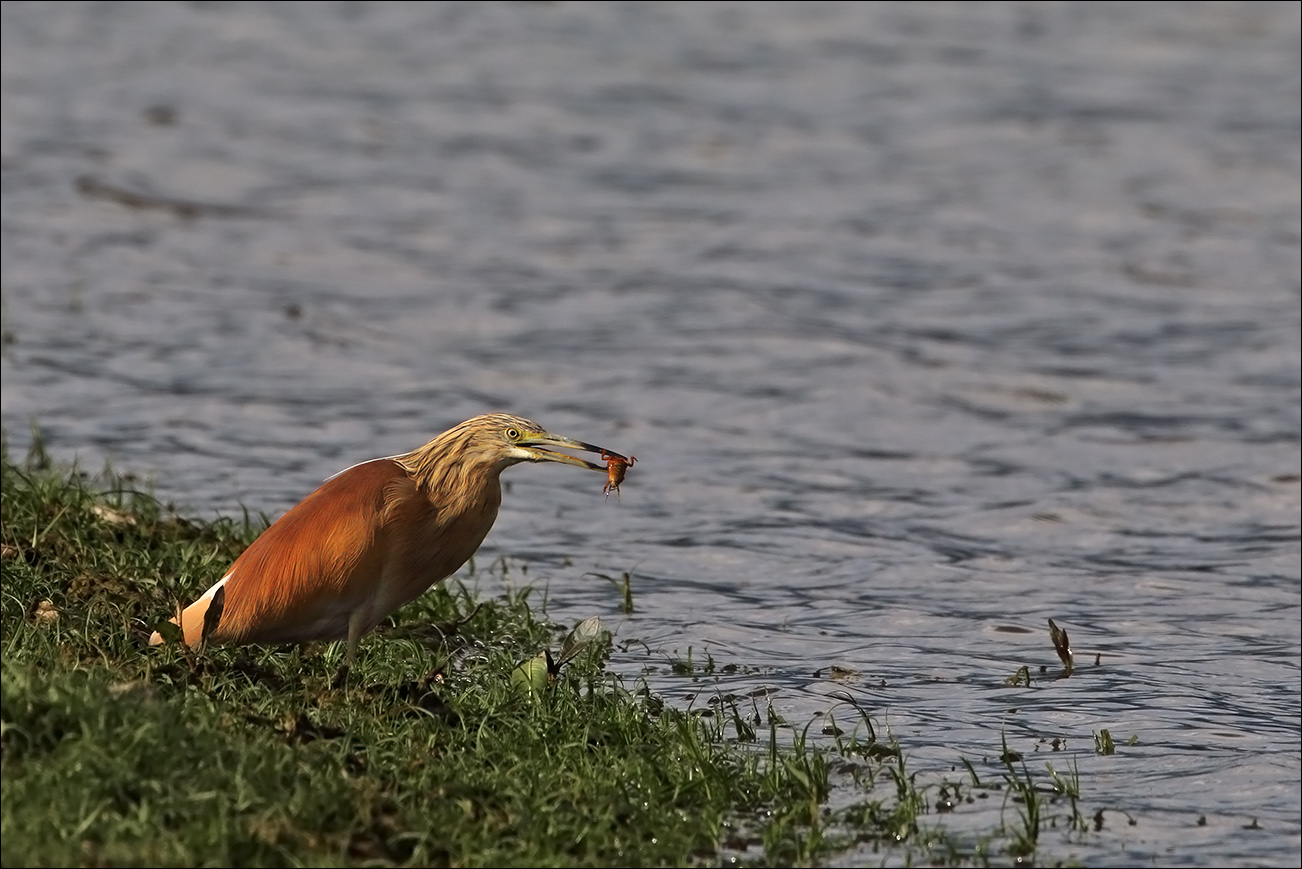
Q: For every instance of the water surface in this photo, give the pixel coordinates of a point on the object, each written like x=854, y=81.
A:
x=926, y=322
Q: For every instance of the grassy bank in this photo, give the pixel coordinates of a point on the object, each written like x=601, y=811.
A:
x=115, y=753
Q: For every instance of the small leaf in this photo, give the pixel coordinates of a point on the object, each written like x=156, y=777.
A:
x=533, y=675
x=589, y=631
x=1061, y=645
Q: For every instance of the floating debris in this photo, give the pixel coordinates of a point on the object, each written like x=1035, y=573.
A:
x=93, y=188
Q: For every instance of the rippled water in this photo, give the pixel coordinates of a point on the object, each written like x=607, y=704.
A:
x=926, y=322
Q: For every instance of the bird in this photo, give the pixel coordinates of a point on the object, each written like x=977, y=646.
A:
x=371, y=538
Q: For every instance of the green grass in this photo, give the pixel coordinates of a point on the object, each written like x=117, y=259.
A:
x=116, y=753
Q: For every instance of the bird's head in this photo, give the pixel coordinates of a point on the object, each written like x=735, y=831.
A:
x=499, y=440
x=526, y=441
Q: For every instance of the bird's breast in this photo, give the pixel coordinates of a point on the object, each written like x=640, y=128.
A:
x=426, y=542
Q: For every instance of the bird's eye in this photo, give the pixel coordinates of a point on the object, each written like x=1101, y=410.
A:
x=512, y=434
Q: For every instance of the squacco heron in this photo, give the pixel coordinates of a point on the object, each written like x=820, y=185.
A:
x=372, y=538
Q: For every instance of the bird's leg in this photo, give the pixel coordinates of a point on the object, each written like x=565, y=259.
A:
x=356, y=628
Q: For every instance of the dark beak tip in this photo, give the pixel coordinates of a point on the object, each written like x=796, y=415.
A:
x=605, y=453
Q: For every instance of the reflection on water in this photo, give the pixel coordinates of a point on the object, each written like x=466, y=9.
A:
x=927, y=323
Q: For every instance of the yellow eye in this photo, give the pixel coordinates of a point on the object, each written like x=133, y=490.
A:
x=512, y=434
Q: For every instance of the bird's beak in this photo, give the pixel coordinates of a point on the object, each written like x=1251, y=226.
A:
x=534, y=445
